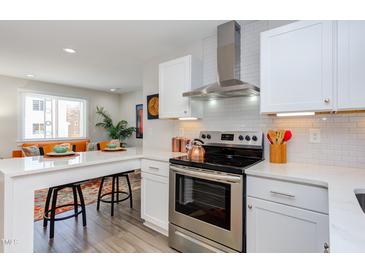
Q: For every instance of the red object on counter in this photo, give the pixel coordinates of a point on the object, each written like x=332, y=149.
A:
x=287, y=135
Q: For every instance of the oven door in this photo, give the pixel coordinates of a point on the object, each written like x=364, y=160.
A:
x=208, y=203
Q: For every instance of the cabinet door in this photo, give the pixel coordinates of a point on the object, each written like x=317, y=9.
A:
x=174, y=79
x=351, y=65
x=273, y=227
x=297, y=67
x=154, y=202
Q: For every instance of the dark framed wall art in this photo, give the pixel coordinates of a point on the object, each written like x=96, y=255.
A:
x=139, y=121
x=152, y=106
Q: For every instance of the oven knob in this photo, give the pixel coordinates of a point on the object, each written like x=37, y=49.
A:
x=203, y=136
x=240, y=138
x=208, y=136
x=254, y=138
x=247, y=138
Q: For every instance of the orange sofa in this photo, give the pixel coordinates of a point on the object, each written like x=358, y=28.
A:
x=80, y=145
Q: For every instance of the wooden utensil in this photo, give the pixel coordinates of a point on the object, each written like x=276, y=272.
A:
x=269, y=138
x=272, y=134
x=281, y=133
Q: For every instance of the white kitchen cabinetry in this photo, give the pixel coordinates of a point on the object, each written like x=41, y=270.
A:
x=273, y=227
x=154, y=195
x=297, y=67
x=286, y=217
x=351, y=65
x=176, y=77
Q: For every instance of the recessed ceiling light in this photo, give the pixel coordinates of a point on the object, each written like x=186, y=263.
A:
x=113, y=89
x=30, y=75
x=69, y=50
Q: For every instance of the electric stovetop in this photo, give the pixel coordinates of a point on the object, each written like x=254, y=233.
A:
x=214, y=164
x=230, y=152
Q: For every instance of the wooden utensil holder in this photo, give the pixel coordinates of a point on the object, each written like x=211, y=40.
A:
x=278, y=153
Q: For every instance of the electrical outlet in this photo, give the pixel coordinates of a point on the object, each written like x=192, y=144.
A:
x=314, y=135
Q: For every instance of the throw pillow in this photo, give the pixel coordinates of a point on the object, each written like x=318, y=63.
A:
x=30, y=151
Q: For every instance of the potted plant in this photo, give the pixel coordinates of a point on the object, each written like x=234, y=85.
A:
x=120, y=131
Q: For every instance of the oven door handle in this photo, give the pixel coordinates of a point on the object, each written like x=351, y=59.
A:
x=228, y=179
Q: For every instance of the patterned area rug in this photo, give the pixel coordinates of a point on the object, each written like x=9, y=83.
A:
x=89, y=190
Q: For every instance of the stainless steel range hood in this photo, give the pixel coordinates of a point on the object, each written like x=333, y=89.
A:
x=229, y=68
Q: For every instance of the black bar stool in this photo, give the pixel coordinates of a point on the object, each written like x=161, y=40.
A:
x=49, y=214
x=115, y=190
x=114, y=194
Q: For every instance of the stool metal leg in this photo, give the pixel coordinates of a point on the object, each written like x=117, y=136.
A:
x=82, y=202
x=75, y=200
x=99, y=193
x=130, y=192
x=117, y=188
x=46, y=206
x=53, y=213
x=113, y=193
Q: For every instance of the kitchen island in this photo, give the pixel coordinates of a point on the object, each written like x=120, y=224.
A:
x=20, y=177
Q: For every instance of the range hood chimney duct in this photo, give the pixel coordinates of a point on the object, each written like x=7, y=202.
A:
x=229, y=68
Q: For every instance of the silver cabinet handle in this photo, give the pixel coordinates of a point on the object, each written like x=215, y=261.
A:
x=249, y=206
x=327, y=100
x=282, y=194
x=153, y=167
x=326, y=248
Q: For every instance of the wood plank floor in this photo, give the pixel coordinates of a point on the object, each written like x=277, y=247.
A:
x=122, y=233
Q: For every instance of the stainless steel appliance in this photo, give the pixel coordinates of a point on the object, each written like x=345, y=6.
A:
x=229, y=68
x=207, y=197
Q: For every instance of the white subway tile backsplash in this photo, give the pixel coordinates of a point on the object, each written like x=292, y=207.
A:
x=342, y=135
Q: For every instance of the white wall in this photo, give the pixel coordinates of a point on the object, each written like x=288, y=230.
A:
x=9, y=112
x=128, y=102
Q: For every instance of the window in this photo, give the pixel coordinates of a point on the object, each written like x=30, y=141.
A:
x=38, y=129
x=53, y=117
x=38, y=105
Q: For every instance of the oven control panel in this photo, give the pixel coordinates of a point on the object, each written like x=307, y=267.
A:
x=250, y=138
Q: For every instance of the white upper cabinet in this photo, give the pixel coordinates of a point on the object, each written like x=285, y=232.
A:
x=351, y=65
x=176, y=77
x=297, y=67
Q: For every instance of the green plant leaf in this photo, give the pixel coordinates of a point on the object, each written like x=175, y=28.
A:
x=120, y=131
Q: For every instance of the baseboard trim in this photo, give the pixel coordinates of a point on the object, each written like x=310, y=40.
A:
x=156, y=228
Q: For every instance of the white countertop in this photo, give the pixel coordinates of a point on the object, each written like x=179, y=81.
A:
x=32, y=165
x=347, y=220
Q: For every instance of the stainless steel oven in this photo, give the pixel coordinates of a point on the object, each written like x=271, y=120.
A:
x=206, y=210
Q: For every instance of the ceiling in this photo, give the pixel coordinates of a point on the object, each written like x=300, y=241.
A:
x=110, y=54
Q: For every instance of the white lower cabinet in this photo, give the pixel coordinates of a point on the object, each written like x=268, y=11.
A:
x=154, y=201
x=273, y=227
x=279, y=220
